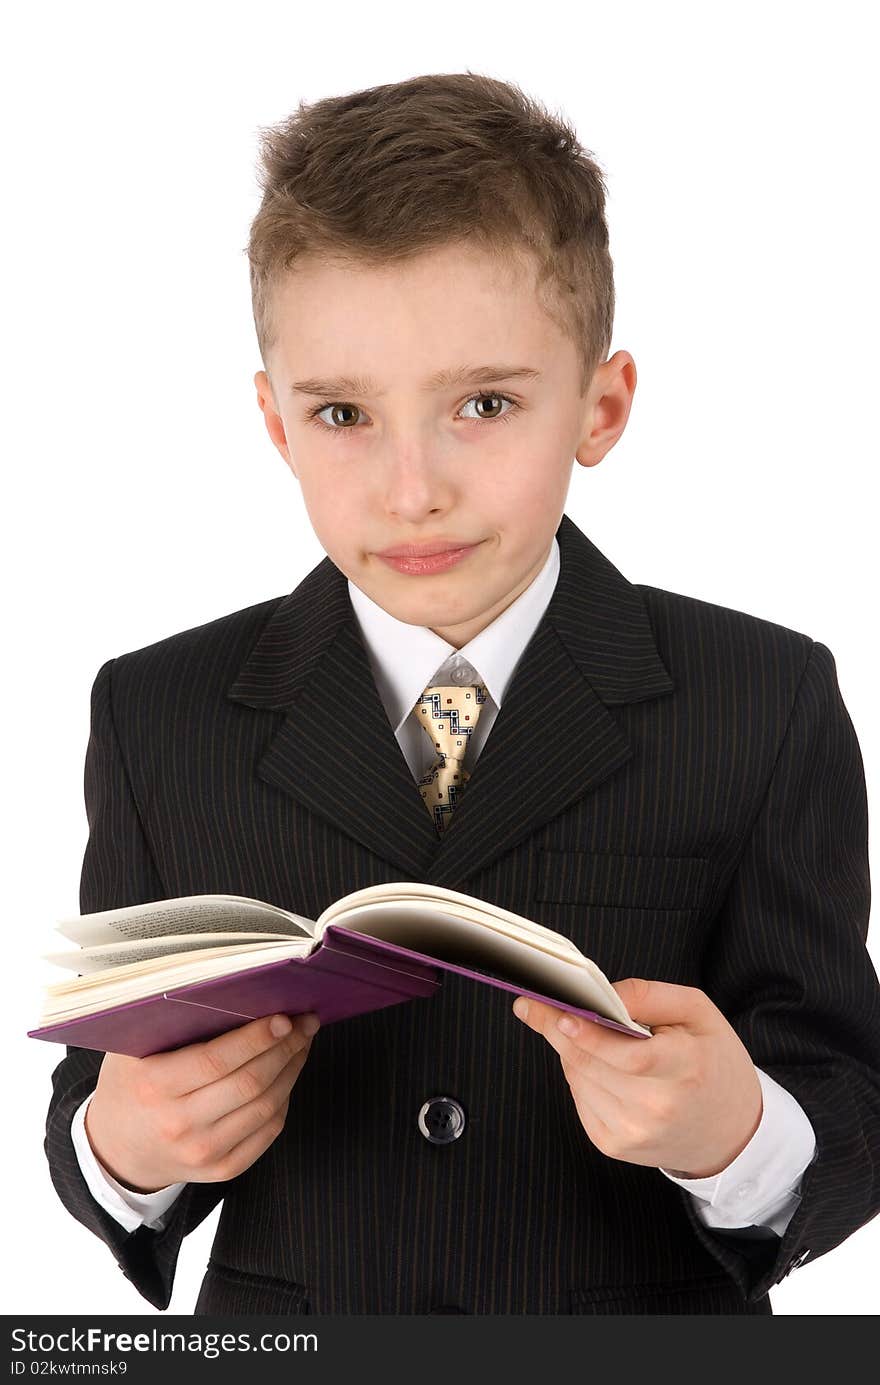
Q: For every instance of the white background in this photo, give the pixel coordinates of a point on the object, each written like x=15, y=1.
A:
x=144, y=496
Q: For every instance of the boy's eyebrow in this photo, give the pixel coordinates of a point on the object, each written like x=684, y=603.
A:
x=441, y=379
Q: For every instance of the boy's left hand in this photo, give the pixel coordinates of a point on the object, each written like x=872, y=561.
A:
x=687, y=1100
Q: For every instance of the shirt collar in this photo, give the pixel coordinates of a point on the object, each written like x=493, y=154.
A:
x=405, y=659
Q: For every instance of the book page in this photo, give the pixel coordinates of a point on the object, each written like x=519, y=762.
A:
x=465, y=930
x=455, y=935
x=452, y=937
x=435, y=899
x=82, y=995
x=200, y=913
x=90, y=959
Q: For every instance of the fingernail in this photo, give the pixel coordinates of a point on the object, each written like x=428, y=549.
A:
x=568, y=1024
x=521, y=1008
x=280, y=1025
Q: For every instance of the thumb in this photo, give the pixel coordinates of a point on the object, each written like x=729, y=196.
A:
x=661, y=1002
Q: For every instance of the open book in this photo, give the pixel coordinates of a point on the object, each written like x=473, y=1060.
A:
x=152, y=977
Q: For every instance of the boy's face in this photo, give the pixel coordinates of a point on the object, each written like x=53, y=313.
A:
x=482, y=462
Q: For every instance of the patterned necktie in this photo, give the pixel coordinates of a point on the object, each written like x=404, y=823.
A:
x=448, y=716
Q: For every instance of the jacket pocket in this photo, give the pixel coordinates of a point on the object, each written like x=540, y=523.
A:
x=614, y=880
x=711, y=1294
x=229, y=1290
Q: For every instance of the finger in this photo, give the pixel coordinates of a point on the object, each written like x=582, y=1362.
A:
x=240, y=1157
x=267, y=1109
x=206, y=1105
x=662, y=1003
x=188, y=1069
x=600, y=1111
x=595, y=1042
x=594, y=1082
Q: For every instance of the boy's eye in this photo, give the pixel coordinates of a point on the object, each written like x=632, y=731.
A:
x=338, y=415
x=344, y=417
x=496, y=401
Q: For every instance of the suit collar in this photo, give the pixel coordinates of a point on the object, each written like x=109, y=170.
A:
x=336, y=752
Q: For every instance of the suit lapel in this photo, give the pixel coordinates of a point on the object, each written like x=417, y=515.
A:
x=335, y=751
x=553, y=740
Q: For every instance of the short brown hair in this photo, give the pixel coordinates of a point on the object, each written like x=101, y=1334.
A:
x=385, y=173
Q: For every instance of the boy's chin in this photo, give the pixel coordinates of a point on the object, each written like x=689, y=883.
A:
x=424, y=603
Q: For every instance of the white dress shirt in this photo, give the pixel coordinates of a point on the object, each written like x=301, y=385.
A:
x=761, y=1187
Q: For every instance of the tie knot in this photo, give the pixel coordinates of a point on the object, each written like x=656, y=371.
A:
x=449, y=715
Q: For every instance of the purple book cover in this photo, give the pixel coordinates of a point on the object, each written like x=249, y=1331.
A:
x=347, y=974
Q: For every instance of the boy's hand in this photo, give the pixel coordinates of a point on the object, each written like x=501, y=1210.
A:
x=687, y=1100
x=199, y=1114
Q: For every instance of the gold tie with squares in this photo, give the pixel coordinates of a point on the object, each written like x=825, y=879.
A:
x=448, y=716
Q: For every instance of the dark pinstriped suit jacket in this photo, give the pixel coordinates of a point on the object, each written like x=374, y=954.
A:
x=675, y=785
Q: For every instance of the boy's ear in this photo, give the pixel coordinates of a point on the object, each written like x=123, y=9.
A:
x=608, y=405
x=273, y=420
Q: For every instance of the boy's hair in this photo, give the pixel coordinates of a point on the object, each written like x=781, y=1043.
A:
x=380, y=175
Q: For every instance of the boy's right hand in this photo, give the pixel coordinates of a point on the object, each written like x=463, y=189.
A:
x=198, y=1114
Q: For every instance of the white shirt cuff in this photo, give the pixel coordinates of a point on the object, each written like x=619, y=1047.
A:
x=129, y=1208
x=761, y=1187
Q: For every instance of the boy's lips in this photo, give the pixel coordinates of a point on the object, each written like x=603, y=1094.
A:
x=425, y=550
x=421, y=560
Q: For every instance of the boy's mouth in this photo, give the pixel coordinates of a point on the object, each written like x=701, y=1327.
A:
x=426, y=549
x=422, y=559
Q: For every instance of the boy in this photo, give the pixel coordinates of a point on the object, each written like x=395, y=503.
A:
x=675, y=785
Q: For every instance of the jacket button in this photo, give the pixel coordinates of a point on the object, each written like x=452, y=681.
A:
x=441, y=1119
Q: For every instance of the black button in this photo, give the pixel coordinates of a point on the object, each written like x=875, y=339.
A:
x=441, y=1120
